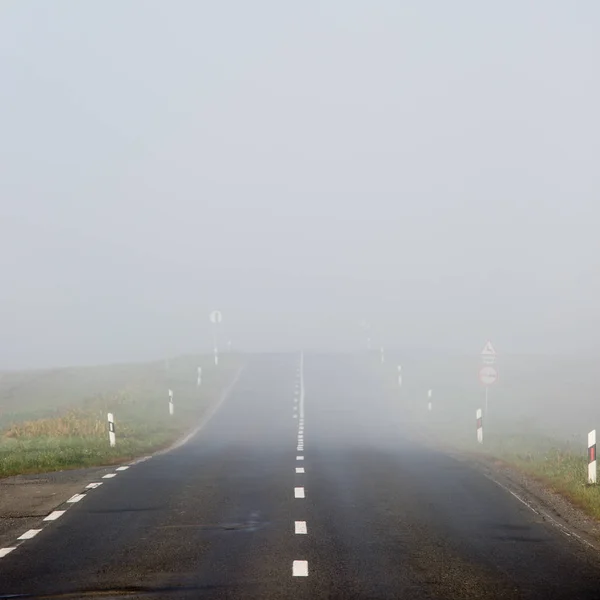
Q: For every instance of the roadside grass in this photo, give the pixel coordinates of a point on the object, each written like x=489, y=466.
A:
x=559, y=463
x=68, y=428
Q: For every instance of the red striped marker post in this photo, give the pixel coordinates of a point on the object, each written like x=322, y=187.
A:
x=479, y=418
x=592, y=456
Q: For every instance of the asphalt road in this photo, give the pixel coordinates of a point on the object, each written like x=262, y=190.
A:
x=224, y=515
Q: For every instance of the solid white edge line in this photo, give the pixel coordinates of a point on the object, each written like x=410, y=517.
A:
x=75, y=498
x=109, y=476
x=300, y=527
x=300, y=568
x=554, y=522
x=208, y=416
x=299, y=492
x=299, y=469
x=29, y=534
x=55, y=514
x=5, y=551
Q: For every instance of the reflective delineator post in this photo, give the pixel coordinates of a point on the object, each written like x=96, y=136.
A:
x=592, y=456
x=171, y=411
x=111, y=430
x=479, y=417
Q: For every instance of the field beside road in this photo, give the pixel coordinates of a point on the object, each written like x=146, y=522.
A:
x=57, y=419
x=540, y=412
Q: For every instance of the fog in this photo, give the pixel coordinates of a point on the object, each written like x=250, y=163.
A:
x=430, y=167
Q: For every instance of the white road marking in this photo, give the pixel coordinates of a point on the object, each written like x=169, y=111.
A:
x=302, y=385
x=109, y=476
x=299, y=457
x=560, y=526
x=300, y=568
x=29, y=534
x=295, y=416
x=299, y=492
x=299, y=469
x=299, y=448
x=122, y=468
x=300, y=527
x=76, y=498
x=93, y=486
x=5, y=551
x=139, y=460
x=56, y=514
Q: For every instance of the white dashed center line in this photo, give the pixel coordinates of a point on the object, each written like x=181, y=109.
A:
x=300, y=568
x=29, y=534
x=109, y=476
x=122, y=468
x=54, y=515
x=93, y=486
x=299, y=469
x=299, y=492
x=5, y=551
x=76, y=498
x=299, y=457
x=300, y=527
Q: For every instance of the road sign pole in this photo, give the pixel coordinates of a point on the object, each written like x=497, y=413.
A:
x=486, y=402
x=215, y=346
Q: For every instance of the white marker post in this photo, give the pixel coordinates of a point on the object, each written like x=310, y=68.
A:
x=479, y=417
x=112, y=438
x=171, y=408
x=199, y=382
x=592, y=456
x=399, y=375
x=215, y=318
x=429, y=404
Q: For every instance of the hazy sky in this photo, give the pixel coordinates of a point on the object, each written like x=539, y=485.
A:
x=431, y=166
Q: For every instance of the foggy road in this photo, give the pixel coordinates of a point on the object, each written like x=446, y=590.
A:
x=289, y=496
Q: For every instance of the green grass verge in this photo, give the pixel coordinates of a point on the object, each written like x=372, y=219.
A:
x=67, y=427
x=560, y=464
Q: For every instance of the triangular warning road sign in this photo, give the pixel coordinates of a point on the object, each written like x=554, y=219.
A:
x=488, y=349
